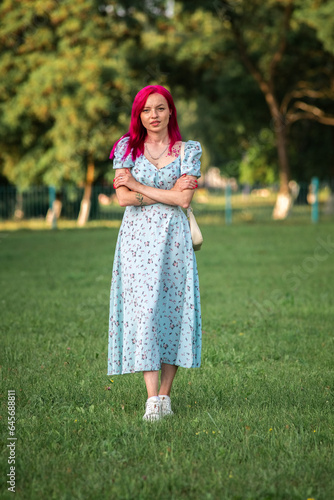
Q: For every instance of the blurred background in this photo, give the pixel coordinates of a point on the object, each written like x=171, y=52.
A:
x=253, y=81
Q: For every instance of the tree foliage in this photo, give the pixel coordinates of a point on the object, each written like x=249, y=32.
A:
x=284, y=46
x=65, y=72
x=237, y=69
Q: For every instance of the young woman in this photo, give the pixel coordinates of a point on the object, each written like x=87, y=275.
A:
x=155, y=317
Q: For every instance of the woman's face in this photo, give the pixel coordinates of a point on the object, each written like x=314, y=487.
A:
x=155, y=114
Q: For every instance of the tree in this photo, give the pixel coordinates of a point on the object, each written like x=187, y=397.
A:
x=290, y=65
x=236, y=68
x=64, y=75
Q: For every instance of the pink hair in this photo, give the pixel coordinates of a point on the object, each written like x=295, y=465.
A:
x=137, y=132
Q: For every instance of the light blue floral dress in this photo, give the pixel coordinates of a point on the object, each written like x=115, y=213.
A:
x=155, y=314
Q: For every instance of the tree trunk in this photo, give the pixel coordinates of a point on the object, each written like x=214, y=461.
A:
x=53, y=214
x=18, y=213
x=284, y=167
x=55, y=206
x=85, y=203
x=284, y=198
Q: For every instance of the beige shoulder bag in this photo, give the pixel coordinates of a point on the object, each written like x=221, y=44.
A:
x=195, y=231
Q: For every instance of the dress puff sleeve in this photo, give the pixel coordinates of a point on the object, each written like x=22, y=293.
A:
x=191, y=164
x=119, y=161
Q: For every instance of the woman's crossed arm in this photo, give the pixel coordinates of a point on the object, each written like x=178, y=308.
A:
x=131, y=192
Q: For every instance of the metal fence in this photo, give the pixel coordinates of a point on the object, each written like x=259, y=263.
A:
x=35, y=203
x=243, y=203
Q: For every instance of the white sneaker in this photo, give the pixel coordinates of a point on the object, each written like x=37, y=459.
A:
x=166, y=407
x=152, y=409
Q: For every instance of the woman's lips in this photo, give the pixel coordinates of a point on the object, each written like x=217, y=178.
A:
x=155, y=123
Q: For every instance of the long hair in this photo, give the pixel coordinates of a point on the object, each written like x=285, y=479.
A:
x=137, y=132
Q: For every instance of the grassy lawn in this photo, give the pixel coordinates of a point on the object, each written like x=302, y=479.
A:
x=255, y=422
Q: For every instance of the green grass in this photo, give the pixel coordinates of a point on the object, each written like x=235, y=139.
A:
x=255, y=422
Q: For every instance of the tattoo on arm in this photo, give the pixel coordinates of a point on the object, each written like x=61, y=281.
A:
x=140, y=198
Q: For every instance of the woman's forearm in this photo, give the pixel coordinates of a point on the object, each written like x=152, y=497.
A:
x=166, y=196
x=127, y=198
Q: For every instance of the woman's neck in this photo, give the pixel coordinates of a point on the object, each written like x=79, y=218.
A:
x=157, y=138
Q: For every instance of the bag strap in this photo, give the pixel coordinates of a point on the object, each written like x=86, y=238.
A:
x=182, y=151
x=189, y=209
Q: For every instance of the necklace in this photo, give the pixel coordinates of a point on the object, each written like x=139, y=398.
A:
x=156, y=157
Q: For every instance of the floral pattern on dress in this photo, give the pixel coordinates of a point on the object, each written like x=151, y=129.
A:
x=155, y=312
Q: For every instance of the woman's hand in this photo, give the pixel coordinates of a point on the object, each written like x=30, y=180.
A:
x=185, y=182
x=125, y=178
